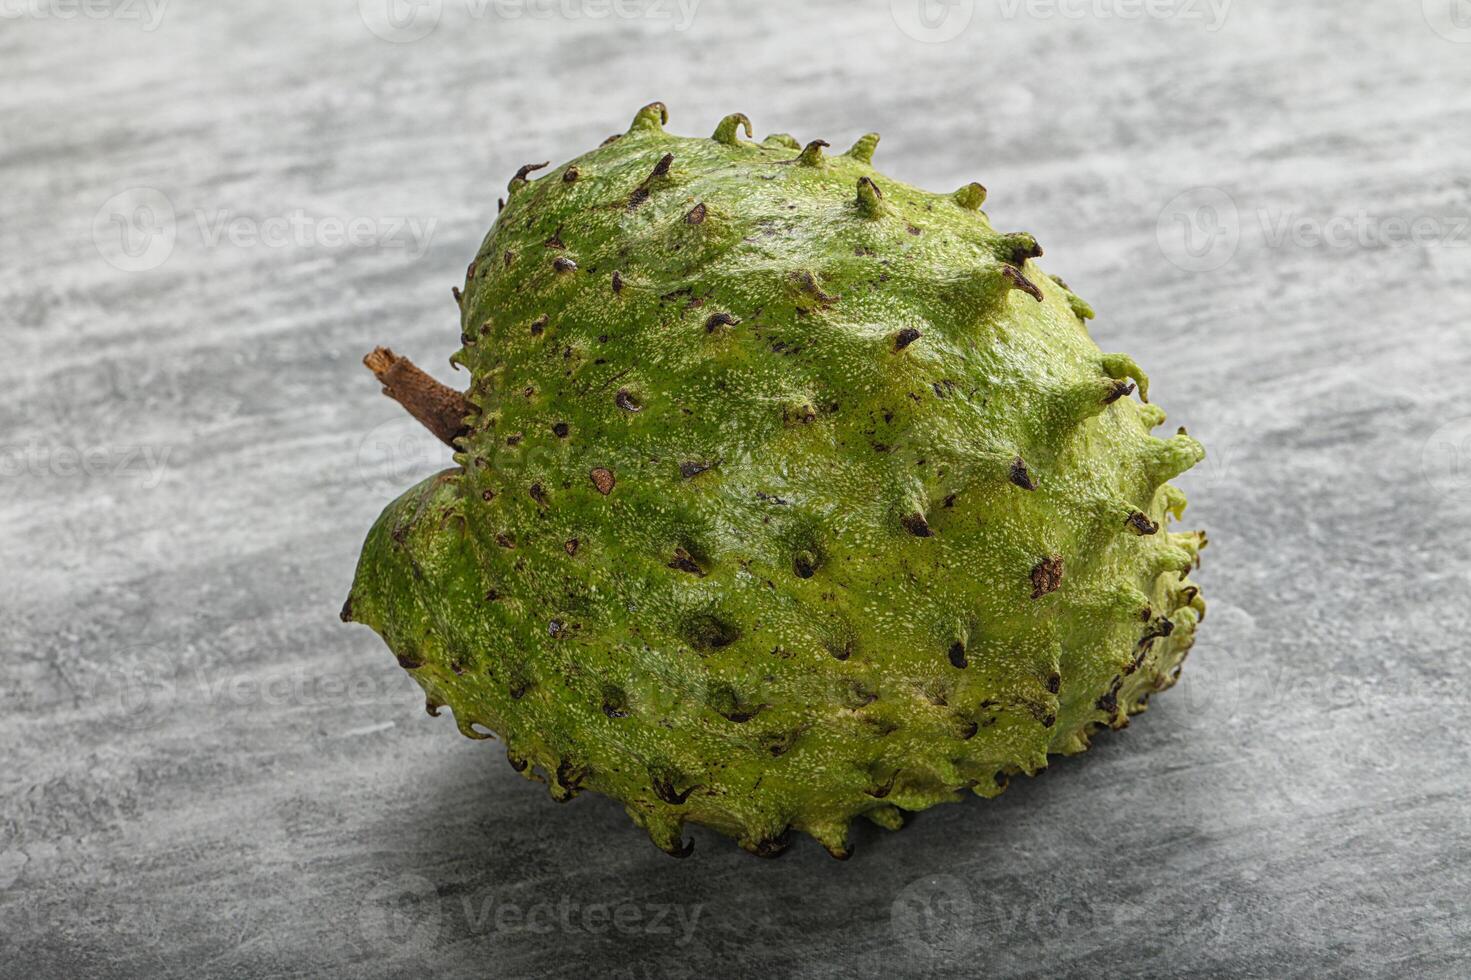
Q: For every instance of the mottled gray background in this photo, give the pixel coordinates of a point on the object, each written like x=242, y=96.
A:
x=204, y=773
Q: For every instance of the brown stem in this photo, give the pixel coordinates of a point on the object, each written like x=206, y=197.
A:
x=440, y=409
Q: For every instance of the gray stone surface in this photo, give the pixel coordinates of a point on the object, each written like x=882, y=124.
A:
x=206, y=774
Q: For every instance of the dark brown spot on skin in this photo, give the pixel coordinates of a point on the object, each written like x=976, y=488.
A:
x=1120, y=389
x=514, y=439
x=662, y=167
x=807, y=282
x=517, y=763
x=1019, y=281
x=500, y=205
x=968, y=729
x=603, y=479
x=564, y=264
x=560, y=430
x=884, y=790
x=688, y=470
x=617, y=282
x=916, y=525
x=1157, y=630
x=538, y=494
x=570, y=776
x=611, y=139
x=710, y=633
x=455, y=292
x=538, y=325
x=905, y=337
x=639, y=196
x=1020, y=475
x=492, y=595
x=470, y=271
x=742, y=715
x=1109, y=702
x=570, y=175
x=772, y=847
x=509, y=257
x=505, y=540
x=346, y=614
x=684, y=563
x=913, y=230
x=555, y=241
x=1054, y=683
x=409, y=661
x=957, y=655
x=571, y=545
x=664, y=789
x=615, y=709
x=718, y=320
x=804, y=564
x=487, y=495
x=626, y=401
x=556, y=628
x=1023, y=249
x=1047, y=576
x=1048, y=721
x=696, y=214
x=1142, y=524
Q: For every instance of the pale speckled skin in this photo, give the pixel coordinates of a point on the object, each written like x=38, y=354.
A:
x=793, y=494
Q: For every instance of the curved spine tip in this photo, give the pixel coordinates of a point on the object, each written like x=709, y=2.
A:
x=651, y=117
x=1015, y=280
x=1121, y=367
x=862, y=149
x=811, y=155
x=870, y=198
x=971, y=196
x=1015, y=248
x=725, y=132
x=519, y=181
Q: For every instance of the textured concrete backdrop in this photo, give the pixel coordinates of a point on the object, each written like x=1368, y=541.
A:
x=210, y=211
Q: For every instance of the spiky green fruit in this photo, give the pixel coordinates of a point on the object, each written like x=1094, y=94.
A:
x=787, y=494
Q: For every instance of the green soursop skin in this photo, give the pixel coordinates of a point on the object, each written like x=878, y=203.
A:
x=790, y=494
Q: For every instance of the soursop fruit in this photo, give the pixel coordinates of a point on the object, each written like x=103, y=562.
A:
x=786, y=494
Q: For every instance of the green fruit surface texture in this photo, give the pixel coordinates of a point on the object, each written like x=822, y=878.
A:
x=789, y=494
